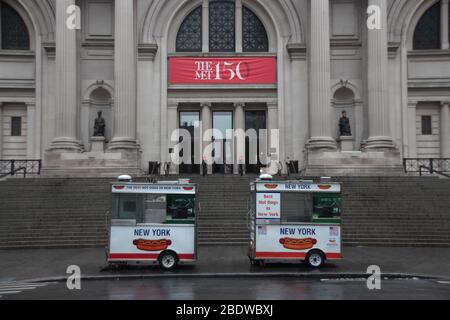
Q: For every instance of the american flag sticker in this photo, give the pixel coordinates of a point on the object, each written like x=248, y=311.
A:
x=334, y=231
x=262, y=230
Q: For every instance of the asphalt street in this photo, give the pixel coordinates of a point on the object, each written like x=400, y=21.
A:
x=232, y=289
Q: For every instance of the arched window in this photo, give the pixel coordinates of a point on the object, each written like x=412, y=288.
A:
x=14, y=32
x=254, y=36
x=222, y=26
x=428, y=31
x=222, y=29
x=189, y=37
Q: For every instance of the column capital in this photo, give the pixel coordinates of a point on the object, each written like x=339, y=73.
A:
x=445, y=103
x=239, y=104
x=206, y=104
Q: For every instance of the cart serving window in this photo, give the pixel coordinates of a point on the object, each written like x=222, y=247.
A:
x=153, y=222
x=154, y=208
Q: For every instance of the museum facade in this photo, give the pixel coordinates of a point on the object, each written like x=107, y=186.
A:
x=284, y=68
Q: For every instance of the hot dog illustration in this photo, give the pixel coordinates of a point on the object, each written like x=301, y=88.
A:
x=152, y=245
x=298, y=244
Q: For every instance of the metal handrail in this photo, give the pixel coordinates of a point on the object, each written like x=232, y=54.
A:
x=14, y=172
x=14, y=166
x=432, y=171
x=433, y=165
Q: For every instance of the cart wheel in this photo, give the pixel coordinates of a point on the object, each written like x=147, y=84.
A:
x=315, y=259
x=168, y=260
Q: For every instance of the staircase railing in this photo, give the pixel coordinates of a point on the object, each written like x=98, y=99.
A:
x=12, y=167
x=440, y=166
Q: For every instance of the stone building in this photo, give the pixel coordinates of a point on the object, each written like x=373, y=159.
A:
x=291, y=65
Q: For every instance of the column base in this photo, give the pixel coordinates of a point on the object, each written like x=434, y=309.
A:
x=354, y=163
x=65, y=145
x=379, y=143
x=321, y=143
x=92, y=164
x=123, y=144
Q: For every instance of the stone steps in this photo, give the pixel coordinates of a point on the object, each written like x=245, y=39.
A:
x=58, y=212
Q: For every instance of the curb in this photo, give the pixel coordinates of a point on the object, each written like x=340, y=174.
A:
x=300, y=276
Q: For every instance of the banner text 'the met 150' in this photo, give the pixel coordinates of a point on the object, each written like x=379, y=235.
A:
x=248, y=70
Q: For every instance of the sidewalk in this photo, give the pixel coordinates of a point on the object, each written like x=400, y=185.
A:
x=48, y=263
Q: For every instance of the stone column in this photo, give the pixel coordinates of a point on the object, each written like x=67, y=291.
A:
x=1, y=130
x=273, y=136
x=320, y=101
x=205, y=26
x=444, y=24
x=445, y=130
x=412, y=130
x=31, y=120
x=66, y=83
x=124, y=136
x=238, y=24
x=239, y=137
x=377, y=80
x=206, y=133
x=173, y=139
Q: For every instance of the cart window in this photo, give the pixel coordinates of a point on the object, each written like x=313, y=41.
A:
x=154, y=208
x=296, y=207
x=180, y=207
x=124, y=207
x=327, y=206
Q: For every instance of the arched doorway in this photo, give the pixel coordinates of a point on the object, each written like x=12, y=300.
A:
x=222, y=73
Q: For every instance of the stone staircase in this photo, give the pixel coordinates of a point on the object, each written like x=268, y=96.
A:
x=396, y=211
x=223, y=215
x=383, y=211
x=53, y=212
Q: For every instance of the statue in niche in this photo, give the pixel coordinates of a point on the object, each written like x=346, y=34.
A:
x=100, y=125
x=344, y=125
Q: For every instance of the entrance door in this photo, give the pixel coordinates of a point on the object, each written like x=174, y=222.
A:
x=190, y=121
x=255, y=120
x=223, y=150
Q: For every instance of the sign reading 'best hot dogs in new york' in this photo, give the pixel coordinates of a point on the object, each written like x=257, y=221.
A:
x=248, y=70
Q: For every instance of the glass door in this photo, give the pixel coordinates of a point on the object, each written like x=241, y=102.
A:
x=190, y=121
x=223, y=142
x=255, y=120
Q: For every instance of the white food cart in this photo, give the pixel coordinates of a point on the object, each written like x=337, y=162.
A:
x=295, y=220
x=153, y=223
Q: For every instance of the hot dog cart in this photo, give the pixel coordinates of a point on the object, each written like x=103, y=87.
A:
x=294, y=220
x=153, y=223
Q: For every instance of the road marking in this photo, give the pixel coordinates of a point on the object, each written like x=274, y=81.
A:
x=17, y=287
x=444, y=282
x=10, y=292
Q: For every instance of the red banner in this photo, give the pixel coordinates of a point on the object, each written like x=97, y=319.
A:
x=256, y=70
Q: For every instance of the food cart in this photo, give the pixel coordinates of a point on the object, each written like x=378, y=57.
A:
x=153, y=223
x=295, y=220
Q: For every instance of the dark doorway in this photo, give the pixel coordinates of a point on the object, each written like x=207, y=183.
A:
x=255, y=120
x=223, y=158
x=190, y=121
